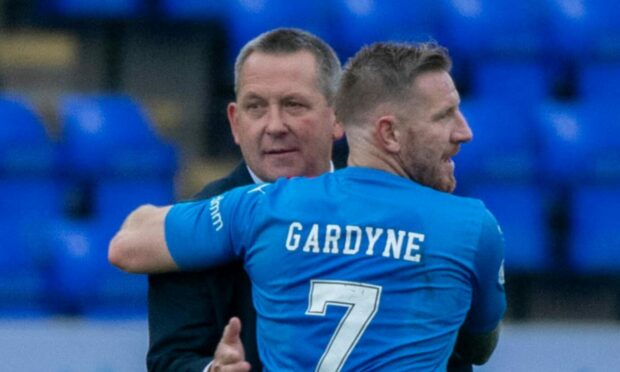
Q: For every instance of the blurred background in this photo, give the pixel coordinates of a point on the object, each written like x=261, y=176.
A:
x=108, y=104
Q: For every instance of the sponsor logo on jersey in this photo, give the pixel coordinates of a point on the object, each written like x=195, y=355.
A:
x=216, y=216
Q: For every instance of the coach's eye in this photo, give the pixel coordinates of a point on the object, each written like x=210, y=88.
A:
x=295, y=107
x=254, y=107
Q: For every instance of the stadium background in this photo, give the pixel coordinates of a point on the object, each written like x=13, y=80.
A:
x=108, y=104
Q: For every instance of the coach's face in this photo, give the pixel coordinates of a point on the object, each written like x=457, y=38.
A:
x=433, y=132
x=281, y=120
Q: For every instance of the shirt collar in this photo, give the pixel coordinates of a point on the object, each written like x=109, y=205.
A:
x=258, y=181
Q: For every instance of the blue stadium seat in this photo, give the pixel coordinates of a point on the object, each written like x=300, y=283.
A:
x=103, y=9
x=25, y=147
x=599, y=82
x=21, y=283
x=594, y=242
x=504, y=146
x=110, y=146
x=582, y=30
x=115, y=198
x=520, y=211
x=249, y=18
x=569, y=28
x=31, y=194
x=75, y=264
x=111, y=136
x=27, y=205
x=363, y=22
x=521, y=83
x=479, y=29
x=200, y=10
x=580, y=142
x=81, y=281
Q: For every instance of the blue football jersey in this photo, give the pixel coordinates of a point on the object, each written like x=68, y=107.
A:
x=354, y=270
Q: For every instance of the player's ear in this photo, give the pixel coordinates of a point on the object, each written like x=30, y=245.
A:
x=338, y=130
x=232, y=112
x=387, y=133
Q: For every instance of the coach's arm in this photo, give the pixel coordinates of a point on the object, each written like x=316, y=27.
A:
x=140, y=244
x=476, y=348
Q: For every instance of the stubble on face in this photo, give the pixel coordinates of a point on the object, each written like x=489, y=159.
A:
x=428, y=124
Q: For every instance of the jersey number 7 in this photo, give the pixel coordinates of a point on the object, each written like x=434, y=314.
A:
x=362, y=301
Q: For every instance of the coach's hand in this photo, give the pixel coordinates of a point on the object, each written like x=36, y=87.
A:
x=229, y=355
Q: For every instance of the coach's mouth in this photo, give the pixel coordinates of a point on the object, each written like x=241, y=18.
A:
x=280, y=151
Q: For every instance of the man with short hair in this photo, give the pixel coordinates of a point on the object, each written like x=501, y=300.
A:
x=283, y=120
x=374, y=267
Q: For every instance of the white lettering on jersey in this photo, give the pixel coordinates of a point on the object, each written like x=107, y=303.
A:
x=293, y=238
x=348, y=239
x=393, y=244
x=312, y=243
x=332, y=234
x=412, y=238
x=372, y=239
x=216, y=216
x=352, y=230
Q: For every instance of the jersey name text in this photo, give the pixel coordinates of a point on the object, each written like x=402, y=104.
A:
x=348, y=239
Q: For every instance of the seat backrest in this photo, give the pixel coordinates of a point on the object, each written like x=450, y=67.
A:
x=199, y=10
x=114, y=199
x=249, y=18
x=107, y=136
x=599, y=81
x=483, y=28
x=25, y=147
x=77, y=255
x=583, y=30
x=503, y=148
x=520, y=211
x=363, y=22
x=89, y=9
x=580, y=142
x=519, y=82
x=594, y=241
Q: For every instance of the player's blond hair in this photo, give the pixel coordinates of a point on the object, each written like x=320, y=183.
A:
x=384, y=73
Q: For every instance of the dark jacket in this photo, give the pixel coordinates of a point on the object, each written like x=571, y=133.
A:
x=188, y=311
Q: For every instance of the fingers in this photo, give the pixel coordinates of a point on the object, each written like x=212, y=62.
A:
x=232, y=332
x=229, y=355
x=236, y=367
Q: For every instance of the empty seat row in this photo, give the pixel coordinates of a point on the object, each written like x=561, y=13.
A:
x=528, y=83
x=560, y=143
x=573, y=29
x=528, y=162
x=589, y=245
x=52, y=258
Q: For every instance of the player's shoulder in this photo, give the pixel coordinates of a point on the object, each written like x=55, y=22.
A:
x=454, y=201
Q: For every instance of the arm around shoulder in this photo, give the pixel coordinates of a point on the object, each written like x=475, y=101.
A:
x=476, y=348
x=140, y=245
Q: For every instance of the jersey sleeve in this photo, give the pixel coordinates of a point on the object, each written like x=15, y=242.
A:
x=489, y=297
x=210, y=232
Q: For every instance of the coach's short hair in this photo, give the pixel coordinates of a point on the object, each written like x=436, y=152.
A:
x=292, y=40
x=384, y=72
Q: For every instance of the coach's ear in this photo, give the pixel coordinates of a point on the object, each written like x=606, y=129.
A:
x=337, y=127
x=387, y=133
x=232, y=113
